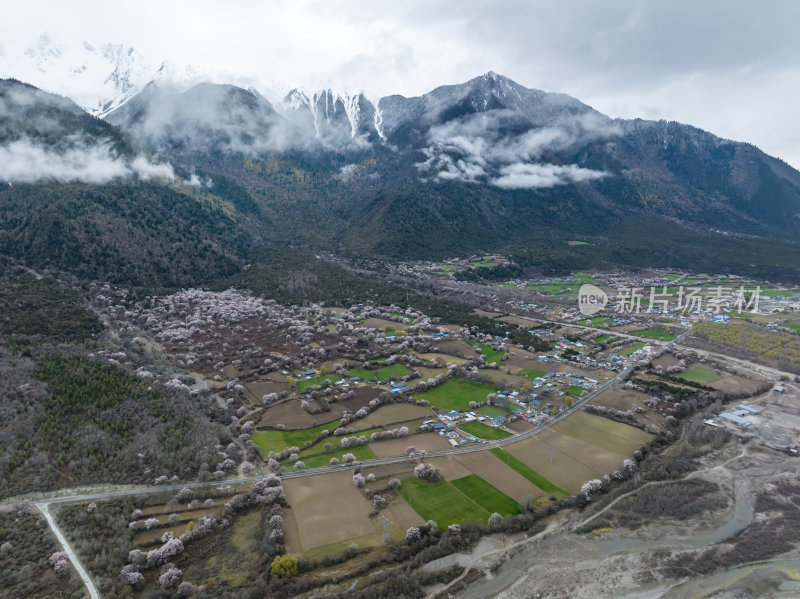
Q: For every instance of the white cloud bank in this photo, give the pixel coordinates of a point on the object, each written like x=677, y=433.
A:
x=23, y=161
x=347, y=172
x=727, y=66
x=195, y=181
x=533, y=176
x=476, y=150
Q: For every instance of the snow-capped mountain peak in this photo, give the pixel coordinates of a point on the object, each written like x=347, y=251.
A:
x=99, y=77
x=295, y=100
x=335, y=117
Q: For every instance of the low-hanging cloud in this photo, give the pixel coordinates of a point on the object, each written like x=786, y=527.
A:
x=479, y=149
x=347, y=172
x=533, y=176
x=448, y=168
x=208, y=116
x=195, y=181
x=24, y=161
x=144, y=169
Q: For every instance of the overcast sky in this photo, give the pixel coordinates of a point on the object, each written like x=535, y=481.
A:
x=729, y=66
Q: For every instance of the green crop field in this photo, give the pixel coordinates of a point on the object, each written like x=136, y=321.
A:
x=362, y=373
x=491, y=355
x=492, y=411
x=698, y=374
x=659, y=333
x=601, y=338
x=532, y=373
x=526, y=471
x=599, y=321
x=564, y=289
x=485, y=495
x=483, y=431
x=278, y=440
x=778, y=292
x=304, y=384
x=794, y=327
x=456, y=394
x=395, y=370
x=362, y=452
x=629, y=350
x=575, y=391
x=441, y=502
x=336, y=442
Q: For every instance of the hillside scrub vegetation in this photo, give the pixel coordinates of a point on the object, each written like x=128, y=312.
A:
x=141, y=234
x=68, y=420
x=26, y=544
x=750, y=341
x=43, y=308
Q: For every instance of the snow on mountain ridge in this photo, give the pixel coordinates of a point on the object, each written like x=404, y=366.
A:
x=324, y=106
x=103, y=78
x=295, y=100
x=98, y=77
x=352, y=109
x=329, y=110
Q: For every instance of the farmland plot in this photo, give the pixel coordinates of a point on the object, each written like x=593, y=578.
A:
x=602, y=432
x=500, y=476
x=328, y=508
